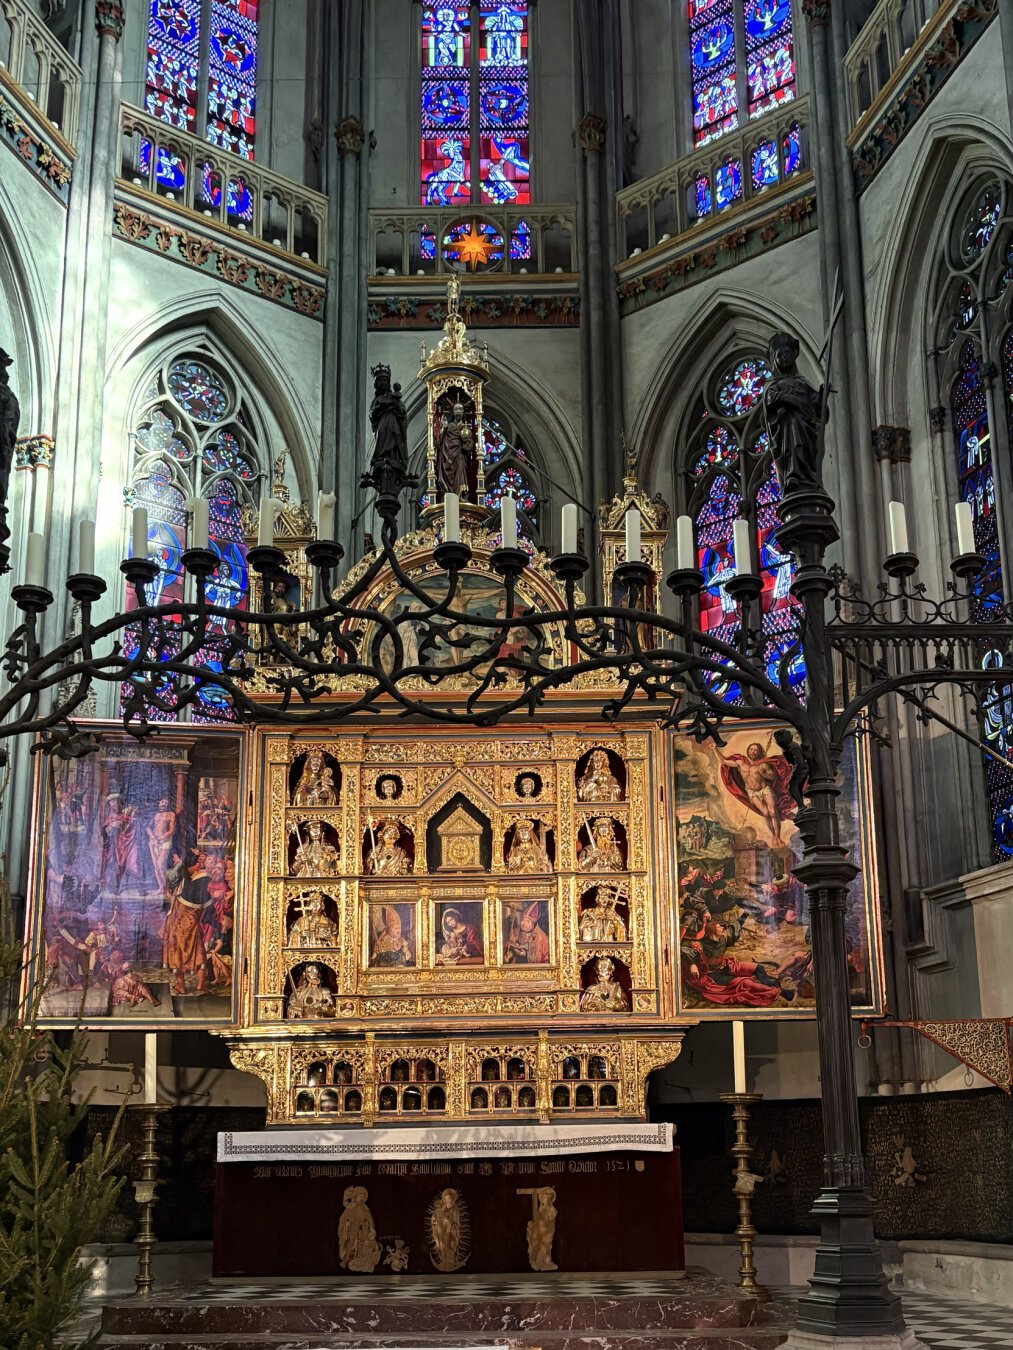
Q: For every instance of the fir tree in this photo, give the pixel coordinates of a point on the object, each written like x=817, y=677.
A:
x=49, y=1207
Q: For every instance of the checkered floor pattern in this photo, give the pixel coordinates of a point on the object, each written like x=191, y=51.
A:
x=957, y=1324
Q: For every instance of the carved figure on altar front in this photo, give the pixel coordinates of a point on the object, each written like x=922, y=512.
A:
x=358, y=1249
x=527, y=852
x=314, y=856
x=528, y=786
x=602, y=854
x=313, y=927
x=602, y=922
x=598, y=783
x=387, y=858
x=449, y=1231
x=455, y=445
x=316, y=782
x=541, y=1229
x=311, y=997
x=795, y=414
x=606, y=994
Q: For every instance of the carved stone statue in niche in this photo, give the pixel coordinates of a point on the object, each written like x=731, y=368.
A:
x=454, y=449
x=527, y=852
x=602, y=922
x=314, y=857
x=387, y=858
x=606, y=994
x=598, y=783
x=460, y=843
x=311, y=997
x=316, y=782
x=313, y=928
x=602, y=854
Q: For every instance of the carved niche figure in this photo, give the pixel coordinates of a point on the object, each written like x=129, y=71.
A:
x=598, y=783
x=602, y=922
x=603, y=853
x=527, y=852
x=314, y=857
x=311, y=997
x=795, y=415
x=358, y=1248
x=606, y=994
x=10, y=418
x=527, y=786
x=449, y=1231
x=388, y=470
x=313, y=927
x=454, y=448
x=387, y=858
x=316, y=782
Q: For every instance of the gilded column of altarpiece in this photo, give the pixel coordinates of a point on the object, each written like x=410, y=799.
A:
x=462, y=926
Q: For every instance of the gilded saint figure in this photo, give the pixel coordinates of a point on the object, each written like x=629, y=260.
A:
x=598, y=783
x=606, y=994
x=311, y=997
x=358, y=1249
x=602, y=922
x=316, y=782
x=602, y=854
x=314, y=857
x=313, y=927
x=541, y=1229
x=527, y=851
x=449, y=1231
x=454, y=448
x=387, y=858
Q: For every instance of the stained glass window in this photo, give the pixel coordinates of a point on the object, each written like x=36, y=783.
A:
x=980, y=221
x=496, y=123
x=740, y=59
x=178, y=32
x=507, y=470
x=741, y=386
x=192, y=439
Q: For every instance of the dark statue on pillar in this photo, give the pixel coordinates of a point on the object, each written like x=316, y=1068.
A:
x=796, y=415
x=453, y=452
x=388, y=469
x=10, y=418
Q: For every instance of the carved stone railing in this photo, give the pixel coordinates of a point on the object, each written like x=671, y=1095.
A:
x=41, y=68
x=221, y=186
x=519, y=239
x=886, y=37
x=732, y=170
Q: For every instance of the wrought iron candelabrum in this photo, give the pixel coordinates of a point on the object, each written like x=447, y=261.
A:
x=343, y=657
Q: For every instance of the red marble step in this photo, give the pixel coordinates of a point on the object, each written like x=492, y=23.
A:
x=714, y=1338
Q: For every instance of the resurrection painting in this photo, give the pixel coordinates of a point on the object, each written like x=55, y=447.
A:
x=134, y=881
x=744, y=931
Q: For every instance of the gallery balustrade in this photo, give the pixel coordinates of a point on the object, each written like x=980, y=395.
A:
x=886, y=37
x=427, y=241
x=40, y=66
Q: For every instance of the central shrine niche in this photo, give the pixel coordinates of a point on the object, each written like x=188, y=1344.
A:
x=461, y=839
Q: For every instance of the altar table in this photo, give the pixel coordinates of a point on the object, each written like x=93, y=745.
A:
x=280, y=1196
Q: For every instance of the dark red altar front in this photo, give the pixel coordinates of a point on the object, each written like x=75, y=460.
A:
x=614, y=1212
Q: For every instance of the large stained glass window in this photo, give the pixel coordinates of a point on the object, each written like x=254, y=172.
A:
x=742, y=62
x=180, y=32
x=732, y=476
x=192, y=440
x=508, y=471
x=474, y=104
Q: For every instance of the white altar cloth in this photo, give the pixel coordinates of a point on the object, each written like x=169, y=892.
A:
x=409, y=1144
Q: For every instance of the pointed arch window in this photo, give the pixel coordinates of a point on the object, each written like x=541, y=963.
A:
x=731, y=475
x=201, y=73
x=193, y=438
x=509, y=470
x=474, y=103
x=742, y=61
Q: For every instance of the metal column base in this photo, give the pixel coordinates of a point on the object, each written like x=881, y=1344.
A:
x=804, y=1340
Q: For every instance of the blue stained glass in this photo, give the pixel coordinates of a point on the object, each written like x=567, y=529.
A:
x=520, y=242
x=504, y=34
x=170, y=170
x=177, y=20
x=765, y=17
x=714, y=107
x=981, y=220
x=445, y=104
x=498, y=185
x=792, y=150
x=198, y=390
x=427, y=244
x=171, y=73
x=720, y=448
x=504, y=104
x=445, y=36
x=231, y=95
x=713, y=44
x=728, y=183
x=489, y=235
x=742, y=385
x=449, y=179
x=766, y=169
x=704, y=202
x=232, y=44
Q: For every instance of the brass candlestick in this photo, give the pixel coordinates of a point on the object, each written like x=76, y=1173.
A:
x=745, y=1180
x=146, y=1195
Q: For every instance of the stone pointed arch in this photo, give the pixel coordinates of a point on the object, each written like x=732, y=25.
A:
x=31, y=318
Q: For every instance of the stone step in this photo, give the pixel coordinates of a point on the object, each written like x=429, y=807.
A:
x=704, y=1338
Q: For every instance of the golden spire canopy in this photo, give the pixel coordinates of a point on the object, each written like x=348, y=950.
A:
x=455, y=349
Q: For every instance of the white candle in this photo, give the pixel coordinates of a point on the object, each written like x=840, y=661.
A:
x=633, y=535
x=35, y=560
x=569, y=534
x=325, y=515
x=199, y=527
x=742, y=546
x=508, y=522
x=269, y=507
x=139, y=544
x=739, y=1054
x=685, y=544
x=86, y=547
x=150, y=1068
x=898, y=528
x=451, y=518
x=965, y=528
